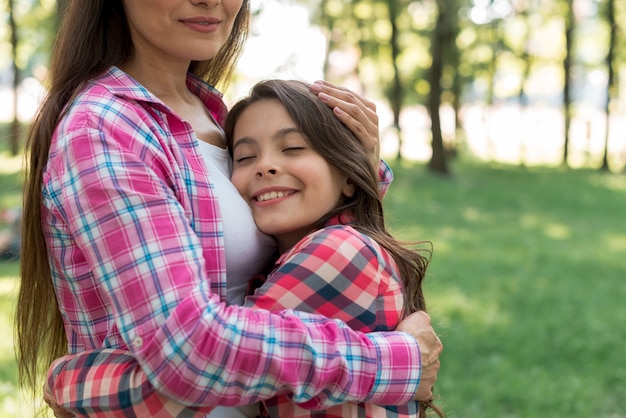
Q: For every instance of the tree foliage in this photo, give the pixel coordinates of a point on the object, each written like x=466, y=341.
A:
x=488, y=51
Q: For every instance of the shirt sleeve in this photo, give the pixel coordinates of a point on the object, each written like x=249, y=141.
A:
x=334, y=273
x=109, y=383
x=385, y=175
x=138, y=242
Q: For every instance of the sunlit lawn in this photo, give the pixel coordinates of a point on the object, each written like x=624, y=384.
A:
x=11, y=403
x=526, y=287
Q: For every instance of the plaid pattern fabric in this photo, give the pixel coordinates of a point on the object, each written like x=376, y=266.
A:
x=342, y=274
x=136, y=251
x=336, y=271
x=95, y=372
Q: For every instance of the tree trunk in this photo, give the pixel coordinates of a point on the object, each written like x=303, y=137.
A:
x=567, y=64
x=437, y=162
x=14, y=135
x=396, y=91
x=610, y=16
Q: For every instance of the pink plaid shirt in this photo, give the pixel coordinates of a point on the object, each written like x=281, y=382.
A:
x=336, y=271
x=136, y=251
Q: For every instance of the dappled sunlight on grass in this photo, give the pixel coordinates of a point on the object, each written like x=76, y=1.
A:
x=471, y=214
x=615, y=182
x=525, y=286
x=455, y=306
x=12, y=402
x=10, y=164
x=557, y=231
x=616, y=242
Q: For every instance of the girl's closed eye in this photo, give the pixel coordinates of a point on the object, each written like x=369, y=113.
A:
x=293, y=148
x=243, y=157
x=294, y=143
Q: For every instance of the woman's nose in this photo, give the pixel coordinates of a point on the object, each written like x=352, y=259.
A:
x=206, y=3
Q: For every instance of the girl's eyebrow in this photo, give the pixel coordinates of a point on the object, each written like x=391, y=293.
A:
x=286, y=131
x=242, y=141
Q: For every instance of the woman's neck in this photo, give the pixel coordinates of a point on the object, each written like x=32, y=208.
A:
x=169, y=84
x=166, y=81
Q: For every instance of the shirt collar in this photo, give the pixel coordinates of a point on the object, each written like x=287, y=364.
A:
x=121, y=84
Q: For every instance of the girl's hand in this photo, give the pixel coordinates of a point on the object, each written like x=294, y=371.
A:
x=356, y=112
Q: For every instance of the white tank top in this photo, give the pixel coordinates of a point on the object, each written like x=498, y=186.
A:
x=247, y=249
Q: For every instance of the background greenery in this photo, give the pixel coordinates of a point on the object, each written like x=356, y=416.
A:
x=526, y=281
x=525, y=287
x=542, y=75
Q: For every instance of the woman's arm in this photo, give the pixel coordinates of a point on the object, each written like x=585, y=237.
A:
x=354, y=284
x=146, y=258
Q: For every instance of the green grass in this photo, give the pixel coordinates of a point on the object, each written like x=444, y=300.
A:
x=525, y=287
x=11, y=403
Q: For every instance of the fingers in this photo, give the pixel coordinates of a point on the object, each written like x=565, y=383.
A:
x=418, y=325
x=427, y=380
x=58, y=410
x=356, y=112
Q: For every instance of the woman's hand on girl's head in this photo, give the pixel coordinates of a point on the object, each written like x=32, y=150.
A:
x=356, y=112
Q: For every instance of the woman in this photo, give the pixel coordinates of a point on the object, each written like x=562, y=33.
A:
x=308, y=183
x=123, y=223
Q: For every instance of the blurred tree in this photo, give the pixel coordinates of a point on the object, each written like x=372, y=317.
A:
x=31, y=29
x=373, y=31
x=396, y=96
x=14, y=134
x=525, y=13
x=570, y=23
x=443, y=35
x=611, y=81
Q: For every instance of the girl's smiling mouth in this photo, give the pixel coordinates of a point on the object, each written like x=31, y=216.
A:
x=271, y=195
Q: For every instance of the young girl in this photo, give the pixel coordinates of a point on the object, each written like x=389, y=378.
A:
x=308, y=183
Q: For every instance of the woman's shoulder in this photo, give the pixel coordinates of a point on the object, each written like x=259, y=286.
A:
x=111, y=101
x=111, y=90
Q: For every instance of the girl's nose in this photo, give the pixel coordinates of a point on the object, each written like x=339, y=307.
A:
x=266, y=171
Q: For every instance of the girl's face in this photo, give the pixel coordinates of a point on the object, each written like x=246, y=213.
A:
x=179, y=30
x=288, y=185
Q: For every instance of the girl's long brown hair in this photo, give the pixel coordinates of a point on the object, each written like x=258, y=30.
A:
x=93, y=36
x=337, y=145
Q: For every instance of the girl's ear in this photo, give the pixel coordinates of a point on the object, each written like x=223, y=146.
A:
x=348, y=188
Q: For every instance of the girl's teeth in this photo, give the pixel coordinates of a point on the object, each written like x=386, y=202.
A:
x=270, y=196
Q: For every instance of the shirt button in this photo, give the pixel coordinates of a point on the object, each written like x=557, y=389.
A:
x=137, y=342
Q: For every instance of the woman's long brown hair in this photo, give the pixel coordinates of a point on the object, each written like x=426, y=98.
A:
x=93, y=36
x=337, y=145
